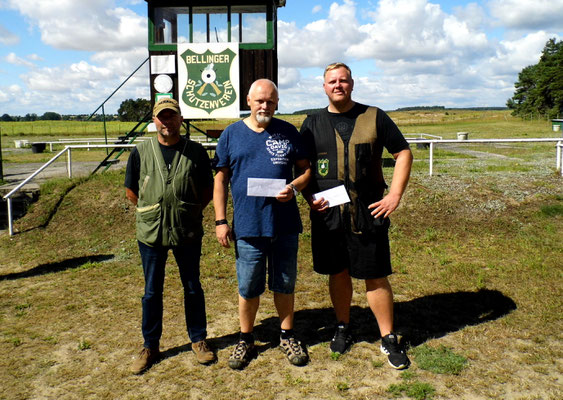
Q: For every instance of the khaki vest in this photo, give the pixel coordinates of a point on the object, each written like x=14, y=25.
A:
x=169, y=210
x=356, y=166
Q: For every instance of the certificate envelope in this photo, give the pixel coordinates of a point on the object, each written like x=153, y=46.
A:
x=263, y=187
x=335, y=196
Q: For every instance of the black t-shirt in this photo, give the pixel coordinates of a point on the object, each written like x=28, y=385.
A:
x=387, y=132
x=132, y=173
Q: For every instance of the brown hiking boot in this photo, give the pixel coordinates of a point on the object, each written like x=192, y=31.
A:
x=147, y=357
x=203, y=353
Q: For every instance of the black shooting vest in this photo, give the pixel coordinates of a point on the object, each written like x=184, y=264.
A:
x=356, y=165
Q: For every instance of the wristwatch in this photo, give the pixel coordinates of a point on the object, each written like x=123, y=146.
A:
x=221, y=222
x=295, y=191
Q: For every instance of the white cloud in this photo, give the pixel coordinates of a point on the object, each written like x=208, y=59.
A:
x=4, y=97
x=473, y=15
x=90, y=25
x=317, y=9
x=34, y=57
x=513, y=55
x=423, y=55
x=10, y=93
x=528, y=14
x=415, y=30
x=288, y=77
x=307, y=93
x=320, y=42
x=12, y=58
x=88, y=84
x=8, y=38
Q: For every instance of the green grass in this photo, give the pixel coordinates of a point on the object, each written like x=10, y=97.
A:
x=441, y=360
x=478, y=276
x=552, y=210
x=413, y=390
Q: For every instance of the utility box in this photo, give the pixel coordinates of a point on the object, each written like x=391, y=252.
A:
x=207, y=53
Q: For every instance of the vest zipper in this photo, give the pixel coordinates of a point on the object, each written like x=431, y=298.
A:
x=346, y=217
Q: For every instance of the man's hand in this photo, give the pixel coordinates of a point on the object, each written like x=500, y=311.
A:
x=385, y=206
x=285, y=195
x=224, y=235
x=319, y=205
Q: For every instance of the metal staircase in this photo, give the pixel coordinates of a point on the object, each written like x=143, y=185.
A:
x=116, y=152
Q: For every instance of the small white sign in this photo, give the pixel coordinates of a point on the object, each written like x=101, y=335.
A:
x=262, y=187
x=335, y=196
x=163, y=64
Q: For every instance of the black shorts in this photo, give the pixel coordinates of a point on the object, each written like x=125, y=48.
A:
x=366, y=255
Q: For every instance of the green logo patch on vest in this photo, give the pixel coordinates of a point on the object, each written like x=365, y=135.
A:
x=322, y=166
x=209, y=85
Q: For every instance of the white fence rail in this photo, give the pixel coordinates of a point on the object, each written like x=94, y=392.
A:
x=212, y=145
x=433, y=143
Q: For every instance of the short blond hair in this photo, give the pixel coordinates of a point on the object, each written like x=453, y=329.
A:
x=337, y=65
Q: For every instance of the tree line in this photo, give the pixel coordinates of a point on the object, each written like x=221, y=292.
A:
x=129, y=110
x=53, y=116
x=539, y=89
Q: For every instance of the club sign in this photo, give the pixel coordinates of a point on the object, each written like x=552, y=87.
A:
x=208, y=79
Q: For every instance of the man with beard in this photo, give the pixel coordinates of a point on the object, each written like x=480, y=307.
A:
x=265, y=230
x=170, y=181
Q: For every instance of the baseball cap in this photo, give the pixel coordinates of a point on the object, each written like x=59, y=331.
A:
x=165, y=104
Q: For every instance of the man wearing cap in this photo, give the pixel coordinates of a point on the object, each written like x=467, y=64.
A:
x=170, y=182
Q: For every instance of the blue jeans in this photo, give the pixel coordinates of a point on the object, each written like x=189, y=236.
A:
x=280, y=255
x=154, y=261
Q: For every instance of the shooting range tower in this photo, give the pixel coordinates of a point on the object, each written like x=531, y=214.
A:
x=207, y=53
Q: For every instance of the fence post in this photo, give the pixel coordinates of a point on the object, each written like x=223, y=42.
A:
x=69, y=162
x=10, y=221
x=431, y=156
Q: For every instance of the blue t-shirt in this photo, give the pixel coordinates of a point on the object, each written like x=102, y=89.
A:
x=268, y=154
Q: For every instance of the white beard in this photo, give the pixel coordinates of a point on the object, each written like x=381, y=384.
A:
x=263, y=119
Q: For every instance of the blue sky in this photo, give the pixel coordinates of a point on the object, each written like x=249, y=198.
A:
x=68, y=56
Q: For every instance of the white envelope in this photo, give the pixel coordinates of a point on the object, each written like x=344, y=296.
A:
x=263, y=187
x=335, y=196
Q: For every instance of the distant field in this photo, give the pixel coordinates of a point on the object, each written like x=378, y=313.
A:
x=434, y=122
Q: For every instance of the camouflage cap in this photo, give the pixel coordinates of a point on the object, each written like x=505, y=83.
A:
x=165, y=104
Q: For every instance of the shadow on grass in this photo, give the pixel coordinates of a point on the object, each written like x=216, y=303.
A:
x=437, y=315
x=418, y=320
x=56, y=267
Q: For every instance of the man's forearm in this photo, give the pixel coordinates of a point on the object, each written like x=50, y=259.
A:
x=220, y=195
x=132, y=196
x=301, y=182
x=401, y=174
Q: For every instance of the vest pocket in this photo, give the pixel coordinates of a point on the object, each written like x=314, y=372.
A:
x=188, y=221
x=331, y=218
x=366, y=223
x=148, y=223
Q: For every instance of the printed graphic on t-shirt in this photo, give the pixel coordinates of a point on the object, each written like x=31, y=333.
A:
x=278, y=147
x=343, y=127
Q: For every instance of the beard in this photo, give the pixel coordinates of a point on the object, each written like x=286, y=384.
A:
x=263, y=118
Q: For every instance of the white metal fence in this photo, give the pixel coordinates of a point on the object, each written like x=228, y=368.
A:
x=212, y=145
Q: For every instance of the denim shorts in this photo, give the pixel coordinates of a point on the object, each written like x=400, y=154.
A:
x=278, y=255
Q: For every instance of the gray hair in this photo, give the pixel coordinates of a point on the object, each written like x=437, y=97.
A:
x=260, y=81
